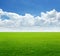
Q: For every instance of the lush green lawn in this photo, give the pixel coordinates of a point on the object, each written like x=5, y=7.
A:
x=29, y=44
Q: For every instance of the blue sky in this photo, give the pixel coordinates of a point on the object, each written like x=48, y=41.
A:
x=29, y=15
x=29, y=6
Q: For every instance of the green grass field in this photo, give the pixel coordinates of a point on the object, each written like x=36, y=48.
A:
x=29, y=44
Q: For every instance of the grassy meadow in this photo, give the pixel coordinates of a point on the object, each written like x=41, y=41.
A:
x=29, y=43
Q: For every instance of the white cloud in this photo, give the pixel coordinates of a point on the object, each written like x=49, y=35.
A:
x=14, y=20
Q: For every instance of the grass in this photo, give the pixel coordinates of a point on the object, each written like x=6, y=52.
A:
x=29, y=43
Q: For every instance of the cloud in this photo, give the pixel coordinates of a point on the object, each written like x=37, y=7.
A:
x=9, y=19
x=14, y=20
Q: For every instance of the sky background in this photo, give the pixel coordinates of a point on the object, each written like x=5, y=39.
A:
x=37, y=15
x=33, y=7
